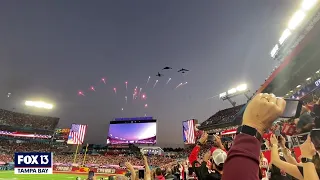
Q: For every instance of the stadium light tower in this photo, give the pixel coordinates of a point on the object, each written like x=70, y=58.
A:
x=39, y=104
x=239, y=90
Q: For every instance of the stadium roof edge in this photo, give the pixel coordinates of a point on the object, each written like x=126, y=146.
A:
x=291, y=56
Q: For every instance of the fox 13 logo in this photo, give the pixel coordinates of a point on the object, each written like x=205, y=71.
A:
x=33, y=163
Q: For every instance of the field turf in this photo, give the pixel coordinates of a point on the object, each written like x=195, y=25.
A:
x=9, y=175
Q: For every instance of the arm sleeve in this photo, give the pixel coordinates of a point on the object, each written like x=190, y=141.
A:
x=243, y=159
x=194, y=154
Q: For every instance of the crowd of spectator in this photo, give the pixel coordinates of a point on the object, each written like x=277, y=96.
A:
x=223, y=116
x=218, y=130
x=16, y=119
x=209, y=154
x=7, y=149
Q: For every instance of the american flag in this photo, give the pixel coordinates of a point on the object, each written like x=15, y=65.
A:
x=189, y=132
x=77, y=133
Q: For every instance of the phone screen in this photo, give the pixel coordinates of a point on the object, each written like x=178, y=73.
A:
x=315, y=138
x=121, y=165
x=211, y=138
x=293, y=108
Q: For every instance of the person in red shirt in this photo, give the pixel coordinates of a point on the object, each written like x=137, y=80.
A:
x=212, y=160
x=195, y=151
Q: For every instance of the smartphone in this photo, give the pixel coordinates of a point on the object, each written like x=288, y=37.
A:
x=211, y=138
x=121, y=165
x=277, y=133
x=293, y=108
x=315, y=138
x=91, y=175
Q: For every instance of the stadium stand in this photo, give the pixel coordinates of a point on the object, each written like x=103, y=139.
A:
x=222, y=117
x=65, y=156
x=16, y=120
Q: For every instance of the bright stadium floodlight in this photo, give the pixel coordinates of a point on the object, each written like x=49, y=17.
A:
x=39, y=104
x=286, y=33
x=308, y=4
x=222, y=94
x=232, y=91
x=242, y=87
x=298, y=86
x=274, y=51
x=296, y=20
x=308, y=79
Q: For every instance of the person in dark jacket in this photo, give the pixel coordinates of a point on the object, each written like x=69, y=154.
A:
x=215, y=161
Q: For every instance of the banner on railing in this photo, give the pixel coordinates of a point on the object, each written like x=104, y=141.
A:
x=101, y=170
x=80, y=169
x=62, y=168
x=106, y=170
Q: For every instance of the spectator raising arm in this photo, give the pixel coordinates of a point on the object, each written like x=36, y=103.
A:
x=308, y=151
x=147, y=174
x=219, y=144
x=286, y=152
x=131, y=169
x=195, y=151
x=243, y=157
x=285, y=166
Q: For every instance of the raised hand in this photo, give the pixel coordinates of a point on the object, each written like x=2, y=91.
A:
x=262, y=111
x=273, y=140
x=307, y=148
x=203, y=138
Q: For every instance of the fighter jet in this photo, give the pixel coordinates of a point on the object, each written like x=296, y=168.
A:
x=183, y=70
x=167, y=68
x=159, y=75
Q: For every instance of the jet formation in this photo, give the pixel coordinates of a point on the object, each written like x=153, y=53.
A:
x=182, y=70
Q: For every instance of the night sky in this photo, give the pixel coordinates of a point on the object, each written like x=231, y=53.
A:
x=50, y=50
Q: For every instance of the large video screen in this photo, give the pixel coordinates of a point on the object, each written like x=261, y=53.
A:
x=132, y=132
x=61, y=135
x=188, y=130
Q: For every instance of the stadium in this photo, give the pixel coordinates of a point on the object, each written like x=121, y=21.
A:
x=296, y=77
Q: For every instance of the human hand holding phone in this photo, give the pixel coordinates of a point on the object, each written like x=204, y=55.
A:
x=293, y=108
x=282, y=141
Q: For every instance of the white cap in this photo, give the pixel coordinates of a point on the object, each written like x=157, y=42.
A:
x=219, y=156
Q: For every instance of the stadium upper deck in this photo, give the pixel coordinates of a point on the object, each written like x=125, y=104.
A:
x=299, y=58
x=10, y=120
x=222, y=118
